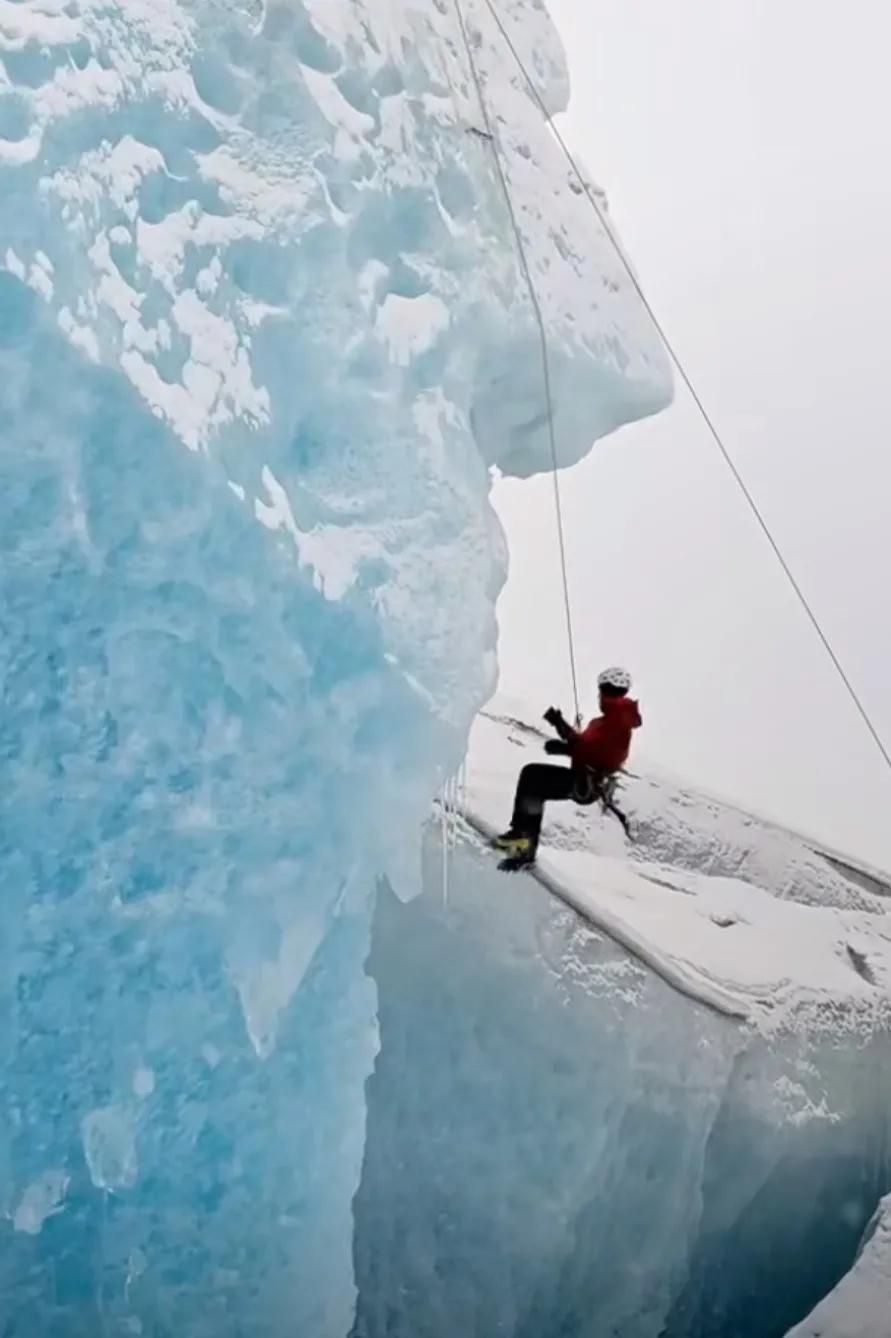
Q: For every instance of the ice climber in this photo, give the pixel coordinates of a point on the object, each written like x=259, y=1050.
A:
x=595, y=752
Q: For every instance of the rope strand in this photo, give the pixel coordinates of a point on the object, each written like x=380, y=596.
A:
x=546, y=370
x=715, y=435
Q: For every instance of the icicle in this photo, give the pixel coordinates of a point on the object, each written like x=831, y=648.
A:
x=456, y=806
x=444, y=833
x=451, y=800
x=462, y=788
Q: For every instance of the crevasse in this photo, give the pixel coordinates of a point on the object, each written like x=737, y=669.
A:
x=560, y=1144
x=262, y=335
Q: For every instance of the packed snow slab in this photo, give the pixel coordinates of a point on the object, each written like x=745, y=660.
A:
x=860, y=1306
x=260, y=317
x=788, y=933
x=597, y=913
x=561, y=1143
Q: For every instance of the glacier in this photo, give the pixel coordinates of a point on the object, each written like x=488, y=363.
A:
x=279, y=1055
x=587, y=1151
x=263, y=337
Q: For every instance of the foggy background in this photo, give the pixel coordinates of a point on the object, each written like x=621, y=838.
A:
x=745, y=147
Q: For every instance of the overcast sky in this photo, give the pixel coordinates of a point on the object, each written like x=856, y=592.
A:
x=746, y=149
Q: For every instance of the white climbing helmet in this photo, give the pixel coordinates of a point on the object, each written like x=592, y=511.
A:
x=614, y=677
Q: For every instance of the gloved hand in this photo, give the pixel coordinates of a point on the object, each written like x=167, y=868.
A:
x=557, y=748
x=554, y=716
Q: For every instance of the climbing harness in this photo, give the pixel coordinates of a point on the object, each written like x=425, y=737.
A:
x=597, y=787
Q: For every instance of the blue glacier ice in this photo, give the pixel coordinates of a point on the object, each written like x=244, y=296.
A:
x=559, y=1144
x=263, y=336
x=263, y=333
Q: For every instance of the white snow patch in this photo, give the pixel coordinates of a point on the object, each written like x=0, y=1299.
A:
x=81, y=336
x=42, y=1199
x=15, y=265
x=143, y=1082
x=411, y=325
x=369, y=280
x=332, y=553
x=109, y=1142
x=336, y=110
x=787, y=937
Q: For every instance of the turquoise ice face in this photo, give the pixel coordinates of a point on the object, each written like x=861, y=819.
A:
x=262, y=334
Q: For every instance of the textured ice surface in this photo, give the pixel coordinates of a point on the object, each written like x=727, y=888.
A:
x=860, y=1306
x=262, y=330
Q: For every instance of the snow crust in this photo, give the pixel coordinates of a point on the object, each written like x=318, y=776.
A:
x=262, y=333
x=726, y=896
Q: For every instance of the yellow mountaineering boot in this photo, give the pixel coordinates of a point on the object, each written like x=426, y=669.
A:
x=512, y=843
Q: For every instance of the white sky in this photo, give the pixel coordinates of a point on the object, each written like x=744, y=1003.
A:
x=746, y=149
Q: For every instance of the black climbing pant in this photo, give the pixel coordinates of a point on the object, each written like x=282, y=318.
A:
x=537, y=784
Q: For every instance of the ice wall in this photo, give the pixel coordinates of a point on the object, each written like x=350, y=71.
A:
x=262, y=331
x=558, y=1144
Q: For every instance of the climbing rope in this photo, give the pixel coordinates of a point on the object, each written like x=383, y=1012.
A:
x=679, y=366
x=545, y=361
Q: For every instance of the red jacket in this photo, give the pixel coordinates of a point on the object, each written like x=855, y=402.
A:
x=606, y=742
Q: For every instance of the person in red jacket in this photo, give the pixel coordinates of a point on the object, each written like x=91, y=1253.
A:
x=595, y=752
